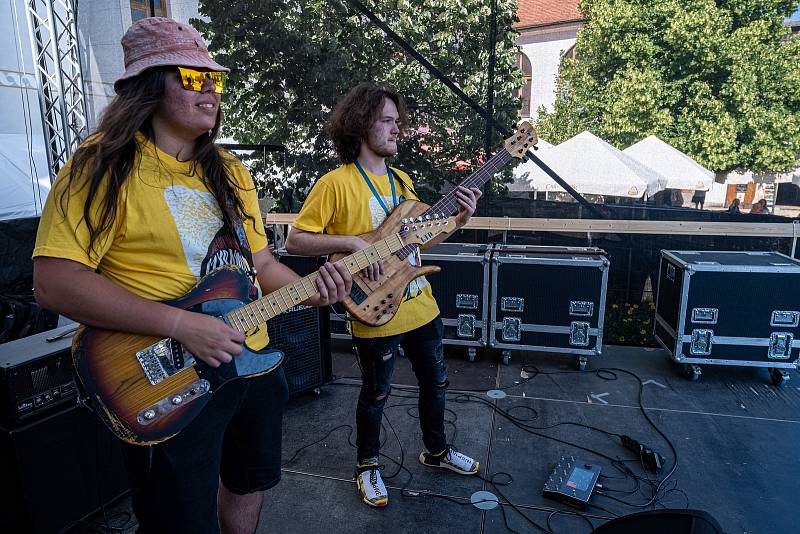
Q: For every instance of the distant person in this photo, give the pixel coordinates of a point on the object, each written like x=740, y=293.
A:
x=734, y=207
x=760, y=207
x=698, y=199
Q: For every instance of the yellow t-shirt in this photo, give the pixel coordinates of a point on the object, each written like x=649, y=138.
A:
x=341, y=203
x=168, y=232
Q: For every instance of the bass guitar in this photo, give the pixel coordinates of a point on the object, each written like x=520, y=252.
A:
x=375, y=302
x=147, y=389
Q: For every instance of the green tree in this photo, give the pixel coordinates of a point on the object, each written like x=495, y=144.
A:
x=718, y=79
x=291, y=60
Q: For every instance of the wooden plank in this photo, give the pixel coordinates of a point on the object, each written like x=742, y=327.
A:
x=610, y=226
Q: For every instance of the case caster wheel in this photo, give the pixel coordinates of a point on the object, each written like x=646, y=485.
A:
x=506, y=357
x=692, y=371
x=581, y=363
x=779, y=376
x=471, y=354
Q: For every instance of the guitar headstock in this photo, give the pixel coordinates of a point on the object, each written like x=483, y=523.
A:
x=420, y=230
x=522, y=139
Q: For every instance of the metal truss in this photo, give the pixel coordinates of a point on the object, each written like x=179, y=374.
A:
x=53, y=29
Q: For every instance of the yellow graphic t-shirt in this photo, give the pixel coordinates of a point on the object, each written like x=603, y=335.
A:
x=168, y=232
x=341, y=203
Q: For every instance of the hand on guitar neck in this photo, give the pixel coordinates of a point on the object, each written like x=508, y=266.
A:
x=467, y=203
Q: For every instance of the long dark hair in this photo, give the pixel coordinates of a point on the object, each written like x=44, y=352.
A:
x=106, y=159
x=354, y=115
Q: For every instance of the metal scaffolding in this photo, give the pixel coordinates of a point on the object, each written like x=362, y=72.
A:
x=53, y=30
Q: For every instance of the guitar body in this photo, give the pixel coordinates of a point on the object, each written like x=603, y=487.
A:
x=375, y=303
x=113, y=366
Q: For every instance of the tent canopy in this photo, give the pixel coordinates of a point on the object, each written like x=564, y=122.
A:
x=24, y=177
x=681, y=171
x=592, y=166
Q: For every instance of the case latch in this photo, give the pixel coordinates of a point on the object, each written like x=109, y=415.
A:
x=467, y=301
x=705, y=315
x=466, y=325
x=780, y=345
x=784, y=318
x=579, y=333
x=581, y=308
x=702, y=340
x=511, y=328
x=512, y=304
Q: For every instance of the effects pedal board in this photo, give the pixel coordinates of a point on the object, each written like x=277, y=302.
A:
x=572, y=481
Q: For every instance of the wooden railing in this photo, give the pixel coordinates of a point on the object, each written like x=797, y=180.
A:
x=505, y=224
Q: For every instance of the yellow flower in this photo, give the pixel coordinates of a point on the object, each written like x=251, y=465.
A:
x=630, y=311
x=652, y=305
x=642, y=331
x=635, y=305
x=614, y=306
x=647, y=321
x=622, y=338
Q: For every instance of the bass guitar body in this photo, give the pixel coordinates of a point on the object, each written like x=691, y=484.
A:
x=375, y=302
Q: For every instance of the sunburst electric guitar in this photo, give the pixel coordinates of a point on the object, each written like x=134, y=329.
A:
x=375, y=302
x=148, y=389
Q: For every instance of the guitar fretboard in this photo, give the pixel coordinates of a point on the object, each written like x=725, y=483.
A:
x=448, y=204
x=260, y=311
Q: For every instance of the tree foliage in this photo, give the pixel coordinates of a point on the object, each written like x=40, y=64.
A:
x=291, y=60
x=718, y=79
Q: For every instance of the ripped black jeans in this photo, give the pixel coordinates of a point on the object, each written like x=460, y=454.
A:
x=423, y=348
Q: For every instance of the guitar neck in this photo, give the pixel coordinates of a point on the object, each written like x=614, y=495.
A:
x=262, y=310
x=448, y=204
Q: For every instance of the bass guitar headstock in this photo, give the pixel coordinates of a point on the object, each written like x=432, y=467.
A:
x=519, y=143
x=419, y=230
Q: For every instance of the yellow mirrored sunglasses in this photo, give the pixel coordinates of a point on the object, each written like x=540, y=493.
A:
x=193, y=80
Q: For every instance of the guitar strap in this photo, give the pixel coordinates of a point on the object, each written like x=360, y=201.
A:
x=244, y=246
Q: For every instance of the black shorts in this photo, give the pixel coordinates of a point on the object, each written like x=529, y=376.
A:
x=235, y=438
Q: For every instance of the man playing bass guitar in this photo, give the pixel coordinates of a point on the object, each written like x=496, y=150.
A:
x=350, y=201
x=144, y=209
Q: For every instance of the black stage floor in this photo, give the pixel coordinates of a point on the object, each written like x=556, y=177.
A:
x=736, y=436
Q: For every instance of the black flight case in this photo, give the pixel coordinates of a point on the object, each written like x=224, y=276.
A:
x=729, y=308
x=462, y=291
x=548, y=299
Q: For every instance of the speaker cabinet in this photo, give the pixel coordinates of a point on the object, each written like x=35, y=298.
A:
x=57, y=470
x=303, y=335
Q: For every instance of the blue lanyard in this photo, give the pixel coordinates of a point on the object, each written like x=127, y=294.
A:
x=375, y=191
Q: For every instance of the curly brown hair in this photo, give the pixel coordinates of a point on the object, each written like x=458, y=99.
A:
x=354, y=115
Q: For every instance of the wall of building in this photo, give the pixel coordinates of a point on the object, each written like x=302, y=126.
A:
x=544, y=48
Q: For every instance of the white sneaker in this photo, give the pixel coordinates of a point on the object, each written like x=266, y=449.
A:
x=370, y=485
x=450, y=459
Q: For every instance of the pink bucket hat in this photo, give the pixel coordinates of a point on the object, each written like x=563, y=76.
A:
x=159, y=41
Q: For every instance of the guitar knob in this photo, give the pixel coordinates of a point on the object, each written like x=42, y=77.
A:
x=420, y=219
x=413, y=226
x=404, y=220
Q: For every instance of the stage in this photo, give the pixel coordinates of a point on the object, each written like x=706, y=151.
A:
x=736, y=436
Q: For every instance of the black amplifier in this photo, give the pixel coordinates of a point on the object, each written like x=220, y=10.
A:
x=36, y=375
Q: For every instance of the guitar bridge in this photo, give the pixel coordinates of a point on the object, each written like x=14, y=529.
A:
x=163, y=359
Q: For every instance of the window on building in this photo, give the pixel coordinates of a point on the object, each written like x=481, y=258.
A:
x=141, y=9
x=524, y=65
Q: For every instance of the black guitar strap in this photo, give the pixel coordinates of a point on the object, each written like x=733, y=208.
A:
x=244, y=246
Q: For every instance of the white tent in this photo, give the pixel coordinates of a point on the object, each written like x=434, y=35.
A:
x=681, y=171
x=592, y=166
x=521, y=171
x=24, y=177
